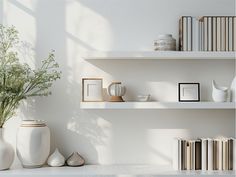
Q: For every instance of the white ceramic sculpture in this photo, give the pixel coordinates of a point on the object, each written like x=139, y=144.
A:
x=165, y=42
x=219, y=94
x=33, y=143
x=116, y=90
x=6, y=153
x=75, y=160
x=233, y=90
x=56, y=159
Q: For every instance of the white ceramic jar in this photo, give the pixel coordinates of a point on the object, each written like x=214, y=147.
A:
x=165, y=42
x=116, y=90
x=33, y=143
x=6, y=153
x=219, y=94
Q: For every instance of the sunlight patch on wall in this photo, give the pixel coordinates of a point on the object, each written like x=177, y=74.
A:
x=160, y=144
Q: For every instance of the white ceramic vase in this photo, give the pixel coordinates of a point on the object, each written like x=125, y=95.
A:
x=6, y=153
x=219, y=94
x=233, y=90
x=33, y=143
x=56, y=159
x=116, y=90
x=165, y=42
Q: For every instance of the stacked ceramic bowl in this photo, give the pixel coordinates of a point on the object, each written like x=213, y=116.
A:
x=165, y=42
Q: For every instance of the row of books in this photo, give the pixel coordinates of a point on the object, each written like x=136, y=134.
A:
x=204, y=154
x=207, y=33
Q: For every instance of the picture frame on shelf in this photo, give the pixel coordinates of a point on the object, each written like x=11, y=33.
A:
x=189, y=92
x=92, y=89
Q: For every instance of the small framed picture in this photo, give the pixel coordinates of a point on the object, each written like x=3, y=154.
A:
x=92, y=89
x=189, y=92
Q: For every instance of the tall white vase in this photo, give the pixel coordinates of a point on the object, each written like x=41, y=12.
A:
x=33, y=143
x=6, y=153
x=233, y=90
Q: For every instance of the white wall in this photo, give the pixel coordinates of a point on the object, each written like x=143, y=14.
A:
x=72, y=27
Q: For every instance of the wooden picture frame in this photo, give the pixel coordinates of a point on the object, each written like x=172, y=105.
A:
x=189, y=92
x=92, y=89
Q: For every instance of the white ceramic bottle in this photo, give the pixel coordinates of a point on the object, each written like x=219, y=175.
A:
x=33, y=143
x=6, y=153
x=219, y=94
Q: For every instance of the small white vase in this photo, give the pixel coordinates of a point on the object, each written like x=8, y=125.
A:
x=116, y=90
x=56, y=159
x=233, y=90
x=33, y=143
x=219, y=94
x=6, y=153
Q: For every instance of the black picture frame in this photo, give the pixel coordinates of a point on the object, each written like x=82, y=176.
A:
x=188, y=100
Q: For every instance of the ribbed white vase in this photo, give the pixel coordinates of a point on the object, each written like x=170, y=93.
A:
x=33, y=143
x=6, y=153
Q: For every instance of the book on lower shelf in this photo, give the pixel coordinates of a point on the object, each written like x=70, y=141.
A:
x=204, y=154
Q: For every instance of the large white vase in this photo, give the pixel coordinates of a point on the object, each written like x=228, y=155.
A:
x=6, y=153
x=33, y=143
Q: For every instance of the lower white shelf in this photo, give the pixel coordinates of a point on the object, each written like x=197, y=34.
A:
x=110, y=171
x=157, y=105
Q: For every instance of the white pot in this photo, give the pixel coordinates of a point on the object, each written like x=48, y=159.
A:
x=33, y=143
x=219, y=94
x=56, y=159
x=165, y=42
x=233, y=90
x=6, y=153
x=116, y=90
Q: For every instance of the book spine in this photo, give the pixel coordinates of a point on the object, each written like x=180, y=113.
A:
x=181, y=34
x=226, y=34
x=214, y=34
x=204, y=154
x=234, y=33
x=234, y=154
x=205, y=35
x=218, y=34
x=195, y=34
x=225, y=155
x=230, y=33
x=189, y=34
x=223, y=34
x=188, y=149
x=210, y=154
x=185, y=36
x=209, y=33
x=198, y=165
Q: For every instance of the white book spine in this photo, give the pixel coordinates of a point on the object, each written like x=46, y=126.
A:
x=175, y=154
x=234, y=154
x=220, y=154
x=189, y=33
x=210, y=154
x=209, y=34
x=204, y=154
x=185, y=37
x=230, y=33
x=195, y=34
x=205, y=35
x=234, y=33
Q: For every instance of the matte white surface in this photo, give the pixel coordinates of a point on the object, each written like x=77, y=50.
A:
x=156, y=105
x=111, y=171
x=158, y=55
x=75, y=27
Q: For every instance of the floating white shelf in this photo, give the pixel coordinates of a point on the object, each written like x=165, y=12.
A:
x=110, y=171
x=159, y=55
x=156, y=105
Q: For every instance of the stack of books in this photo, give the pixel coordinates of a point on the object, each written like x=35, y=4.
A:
x=204, y=154
x=207, y=33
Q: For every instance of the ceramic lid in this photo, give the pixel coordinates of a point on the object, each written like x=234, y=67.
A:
x=33, y=123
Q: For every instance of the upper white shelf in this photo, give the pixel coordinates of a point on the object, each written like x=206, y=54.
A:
x=156, y=105
x=158, y=55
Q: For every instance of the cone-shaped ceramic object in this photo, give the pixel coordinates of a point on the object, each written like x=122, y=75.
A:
x=75, y=160
x=56, y=159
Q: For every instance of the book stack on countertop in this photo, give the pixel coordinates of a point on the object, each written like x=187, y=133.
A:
x=204, y=154
x=207, y=33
